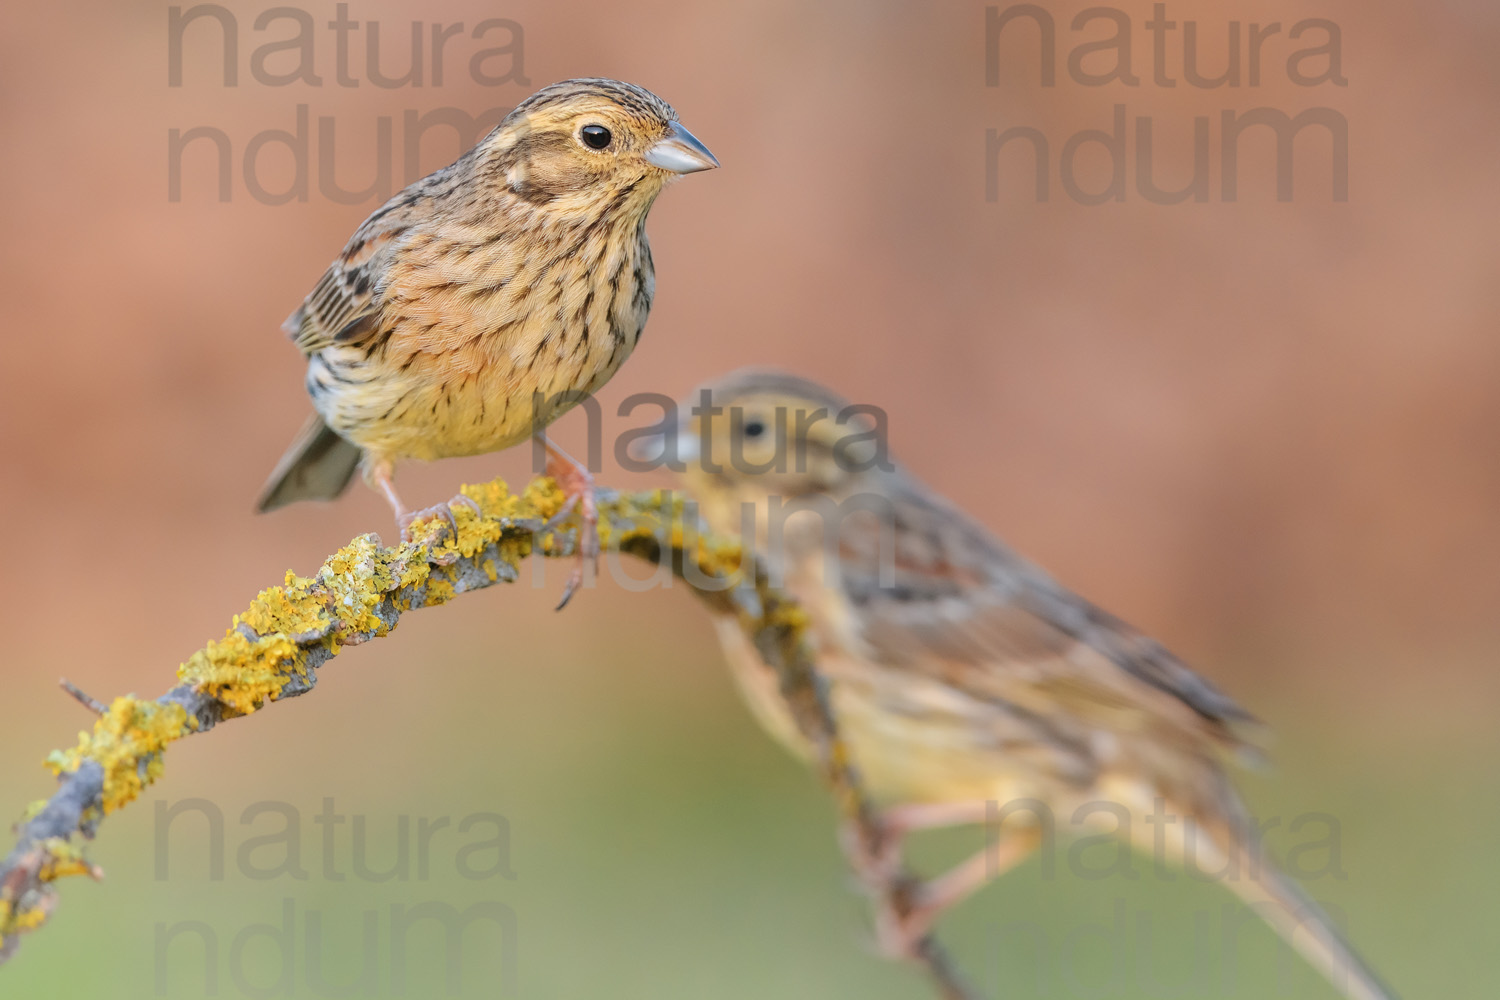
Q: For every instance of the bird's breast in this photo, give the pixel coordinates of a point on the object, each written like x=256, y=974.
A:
x=479, y=344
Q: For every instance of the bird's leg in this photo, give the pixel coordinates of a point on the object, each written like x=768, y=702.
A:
x=578, y=485
x=913, y=816
x=877, y=868
x=875, y=865
x=906, y=910
x=900, y=928
x=378, y=473
x=380, y=476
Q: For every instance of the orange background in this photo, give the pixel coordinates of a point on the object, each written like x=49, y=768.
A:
x=1264, y=432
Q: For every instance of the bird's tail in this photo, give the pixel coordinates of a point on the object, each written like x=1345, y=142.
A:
x=1279, y=901
x=318, y=466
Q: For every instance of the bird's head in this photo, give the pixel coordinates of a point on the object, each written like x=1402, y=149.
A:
x=592, y=143
x=764, y=439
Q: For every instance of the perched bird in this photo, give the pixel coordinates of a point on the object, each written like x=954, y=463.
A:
x=969, y=686
x=486, y=299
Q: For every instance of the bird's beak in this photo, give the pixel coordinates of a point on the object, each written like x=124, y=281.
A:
x=685, y=446
x=671, y=446
x=680, y=152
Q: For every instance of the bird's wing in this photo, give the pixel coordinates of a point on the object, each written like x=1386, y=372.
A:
x=344, y=306
x=341, y=308
x=956, y=603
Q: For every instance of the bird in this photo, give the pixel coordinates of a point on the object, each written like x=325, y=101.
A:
x=486, y=299
x=964, y=680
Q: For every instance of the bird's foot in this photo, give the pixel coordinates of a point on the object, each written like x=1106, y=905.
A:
x=408, y=521
x=583, y=497
x=900, y=922
x=908, y=908
x=903, y=919
x=876, y=866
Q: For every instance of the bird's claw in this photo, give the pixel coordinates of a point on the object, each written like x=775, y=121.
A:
x=903, y=915
x=408, y=521
x=875, y=867
x=582, y=498
x=900, y=931
x=588, y=548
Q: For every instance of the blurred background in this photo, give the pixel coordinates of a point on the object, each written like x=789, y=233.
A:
x=1264, y=431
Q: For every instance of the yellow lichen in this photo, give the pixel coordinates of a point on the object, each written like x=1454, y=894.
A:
x=660, y=517
x=126, y=741
x=493, y=497
x=788, y=616
x=349, y=599
x=291, y=609
x=356, y=579
x=414, y=573
x=63, y=859
x=542, y=498
x=242, y=673
x=440, y=589
x=24, y=920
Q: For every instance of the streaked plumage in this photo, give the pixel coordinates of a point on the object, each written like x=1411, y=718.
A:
x=522, y=268
x=960, y=673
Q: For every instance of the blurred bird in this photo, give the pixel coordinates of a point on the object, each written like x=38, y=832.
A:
x=485, y=300
x=969, y=686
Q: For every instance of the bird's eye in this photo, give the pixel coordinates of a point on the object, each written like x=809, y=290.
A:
x=596, y=136
x=754, y=428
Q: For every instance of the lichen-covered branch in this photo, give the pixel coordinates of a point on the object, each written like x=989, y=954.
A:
x=274, y=649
